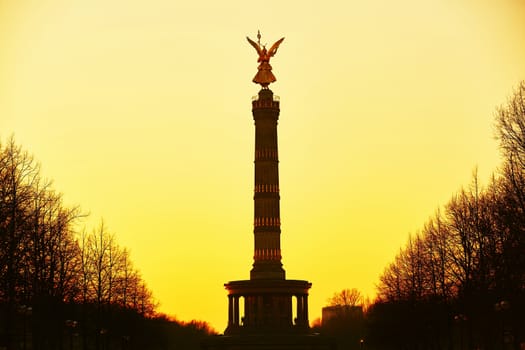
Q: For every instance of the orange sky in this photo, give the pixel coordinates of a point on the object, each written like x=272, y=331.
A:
x=140, y=112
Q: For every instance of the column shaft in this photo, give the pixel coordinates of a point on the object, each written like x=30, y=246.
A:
x=230, y=310
x=299, y=309
x=236, y=310
x=305, y=308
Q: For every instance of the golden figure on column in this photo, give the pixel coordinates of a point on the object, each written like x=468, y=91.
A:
x=264, y=74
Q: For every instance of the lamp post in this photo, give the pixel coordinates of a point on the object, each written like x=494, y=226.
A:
x=460, y=319
x=502, y=308
x=71, y=326
x=103, y=333
x=125, y=341
x=26, y=312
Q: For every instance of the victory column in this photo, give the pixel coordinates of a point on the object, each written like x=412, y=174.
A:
x=268, y=320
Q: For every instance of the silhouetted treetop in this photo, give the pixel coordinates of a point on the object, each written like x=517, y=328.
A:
x=47, y=266
x=469, y=259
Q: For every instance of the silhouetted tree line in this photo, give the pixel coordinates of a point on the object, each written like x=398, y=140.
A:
x=63, y=288
x=459, y=283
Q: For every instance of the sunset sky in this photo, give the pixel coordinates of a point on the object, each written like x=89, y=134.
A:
x=140, y=111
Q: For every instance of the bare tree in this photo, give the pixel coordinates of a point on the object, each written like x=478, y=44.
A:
x=510, y=131
x=510, y=127
x=436, y=238
x=471, y=256
x=346, y=297
x=389, y=287
x=18, y=171
x=45, y=264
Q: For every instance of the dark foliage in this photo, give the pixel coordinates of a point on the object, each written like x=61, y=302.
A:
x=60, y=288
x=460, y=281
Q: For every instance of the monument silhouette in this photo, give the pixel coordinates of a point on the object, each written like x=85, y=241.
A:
x=268, y=320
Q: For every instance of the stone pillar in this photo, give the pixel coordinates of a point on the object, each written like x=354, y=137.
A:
x=276, y=312
x=260, y=310
x=236, y=310
x=289, y=310
x=230, y=310
x=305, y=309
x=299, y=309
x=302, y=310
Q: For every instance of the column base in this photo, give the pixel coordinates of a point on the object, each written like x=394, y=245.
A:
x=270, y=271
x=268, y=307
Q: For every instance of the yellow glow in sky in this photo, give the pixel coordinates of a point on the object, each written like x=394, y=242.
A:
x=141, y=113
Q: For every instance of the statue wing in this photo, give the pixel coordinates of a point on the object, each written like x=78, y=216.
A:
x=274, y=47
x=255, y=45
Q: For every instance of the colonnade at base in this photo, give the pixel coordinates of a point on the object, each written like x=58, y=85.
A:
x=267, y=310
x=255, y=305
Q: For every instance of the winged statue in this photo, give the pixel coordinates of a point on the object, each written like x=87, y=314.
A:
x=264, y=74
